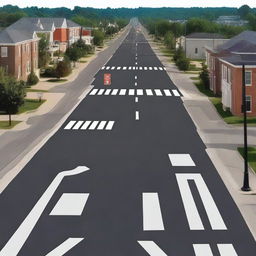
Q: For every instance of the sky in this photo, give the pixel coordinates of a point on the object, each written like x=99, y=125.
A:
x=129, y=3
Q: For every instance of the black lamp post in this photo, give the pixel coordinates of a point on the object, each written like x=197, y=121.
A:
x=246, y=186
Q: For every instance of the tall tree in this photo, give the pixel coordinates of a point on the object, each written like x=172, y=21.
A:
x=244, y=10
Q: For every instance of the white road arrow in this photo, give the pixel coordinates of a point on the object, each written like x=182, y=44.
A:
x=15, y=243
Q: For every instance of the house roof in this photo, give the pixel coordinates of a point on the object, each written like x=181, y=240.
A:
x=72, y=24
x=240, y=59
x=205, y=36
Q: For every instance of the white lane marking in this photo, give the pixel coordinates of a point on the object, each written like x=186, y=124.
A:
x=211, y=209
x=118, y=68
x=114, y=92
x=85, y=125
x=160, y=68
x=107, y=92
x=150, y=68
x=141, y=68
x=164, y=68
x=136, y=77
x=155, y=68
x=103, y=68
x=130, y=68
x=20, y=236
x=152, y=216
x=70, y=204
x=137, y=68
x=137, y=115
x=158, y=92
x=101, y=125
x=110, y=125
x=107, y=68
x=131, y=91
x=93, y=125
x=100, y=91
x=124, y=68
x=69, y=125
x=227, y=250
x=135, y=83
x=152, y=248
x=202, y=250
x=181, y=160
x=94, y=91
x=139, y=92
x=145, y=68
x=136, y=99
x=167, y=92
x=65, y=246
x=122, y=92
x=205, y=250
x=133, y=68
x=78, y=125
x=113, y=68
x=136, y=63
x=149, y=92
x=176, y=93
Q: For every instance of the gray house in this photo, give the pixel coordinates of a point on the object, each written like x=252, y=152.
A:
x=195, y=43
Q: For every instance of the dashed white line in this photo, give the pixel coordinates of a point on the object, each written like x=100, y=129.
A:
x=69, y=125
x=136, y=77
x=152, y=216
x=176, y=93
x=78, y=125
x=110, y=125
x=152, y=248
x=101, y=125
x=136, y=99
x=136, y=63
x=135, y=83
x=137, y=115
x=93, y=125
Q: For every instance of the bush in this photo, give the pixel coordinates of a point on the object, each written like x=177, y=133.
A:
x=32, y=79
x=63, y=69
x=49, y=72
x=98, y=37
x=179, y=53
x=204, y=76
x=183, y=63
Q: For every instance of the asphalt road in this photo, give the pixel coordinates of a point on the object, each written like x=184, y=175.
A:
x=138, y=180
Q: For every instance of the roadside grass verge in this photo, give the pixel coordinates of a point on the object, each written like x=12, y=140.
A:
x=35, y=90
x=5, y=124
x=251, y=156
x=29, y=105
x=193, y=67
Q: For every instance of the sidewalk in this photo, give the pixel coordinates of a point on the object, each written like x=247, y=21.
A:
x=220, y=139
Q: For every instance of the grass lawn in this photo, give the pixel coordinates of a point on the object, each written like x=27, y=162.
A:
x=54, y=80
x=29, y=105
x=251, y=156
x=35, y=90
x=195, y=78
x=193, y=67
x=5, y=124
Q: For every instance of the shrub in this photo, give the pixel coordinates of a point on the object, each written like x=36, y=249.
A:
x=183, y=63
x=179, y=53
x=49, y=72
x=32, y=79
x=204, y=76
x=63, y=69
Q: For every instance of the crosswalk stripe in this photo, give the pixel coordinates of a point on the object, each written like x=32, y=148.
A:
x=155, y=68
x=103, y=68
x=130, y=68
x=158, y=92
x=124, y=68
x=107, y=68
x=139, y=92
x=66, y=246
x=205, y=250
x=78, y=125
x=110, y=125
x=100, y=91
x=152, y=216
x=133, y=68
x=101, y=125
x=85, y=125
x=160, y=68
x=69, y=125
x=149, y=92
x=150, y=68
x=211, y=209
x=94, y=91
x=164, y=68
x=113, y=68
x=141, y=68
x=176, y=93
x=118, y=68
x=181, y=160
x=93, y=125
x=107, y=92
x=152, y=248
x=131, y=91
x=167, y=92
x=122, y=92
x=114, y=92
x=145, y=68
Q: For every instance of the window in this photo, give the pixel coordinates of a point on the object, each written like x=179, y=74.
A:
x=4, y=52
x=248, y=78
x=229, y=76
x=28, y=67
x=248, y=103
x=196, y=50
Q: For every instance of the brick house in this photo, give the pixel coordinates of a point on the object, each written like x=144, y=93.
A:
x=225, y=71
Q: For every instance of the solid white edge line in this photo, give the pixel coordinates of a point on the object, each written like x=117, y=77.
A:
x=69, y=125
x=152, y=215
x=152, y=248
x=65, y=246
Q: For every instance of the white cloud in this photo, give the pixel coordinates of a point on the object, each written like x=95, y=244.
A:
x=130, y=3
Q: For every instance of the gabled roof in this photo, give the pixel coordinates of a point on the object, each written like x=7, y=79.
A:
x=240, y=59
x=72, y=24
x=205, y=36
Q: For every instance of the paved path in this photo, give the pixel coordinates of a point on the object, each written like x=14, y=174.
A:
x=126, y=174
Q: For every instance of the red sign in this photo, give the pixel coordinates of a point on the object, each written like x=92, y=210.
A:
x=107, y=79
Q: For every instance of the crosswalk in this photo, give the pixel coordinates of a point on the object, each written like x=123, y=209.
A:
x=89, y=125
x=136, y=92
x=133, y=68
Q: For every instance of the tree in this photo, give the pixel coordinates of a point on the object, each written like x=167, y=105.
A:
x=44, y=56
x=63, y=69
x=169, y=40
x=74, y=54
x=244, y=10
x=98, y=37
x=12, y=94
x=183, y=63
x=204, y=76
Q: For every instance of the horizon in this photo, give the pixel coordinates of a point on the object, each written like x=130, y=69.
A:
x=102, y=4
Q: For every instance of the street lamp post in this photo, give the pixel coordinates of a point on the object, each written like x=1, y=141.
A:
x=246, y=186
